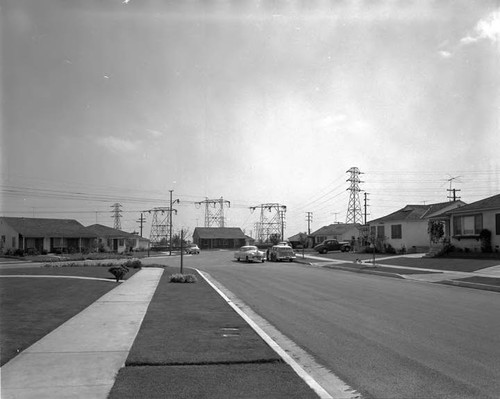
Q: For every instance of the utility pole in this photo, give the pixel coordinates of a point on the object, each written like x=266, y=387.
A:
x=117, y=215
x=454, y=196
x=366, y=205
x=354, y=208
x=141, y=221
x=170, y=210
x=309, y=219
x=335, y=216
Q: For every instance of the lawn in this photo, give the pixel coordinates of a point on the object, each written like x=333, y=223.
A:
x=33, y=307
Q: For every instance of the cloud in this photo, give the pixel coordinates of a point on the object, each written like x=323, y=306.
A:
x=468, y=40
x=487, y=28
x=154, y=133
x=117, y=144
x=445, y=54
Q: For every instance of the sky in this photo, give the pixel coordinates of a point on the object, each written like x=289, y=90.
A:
x=121, y=101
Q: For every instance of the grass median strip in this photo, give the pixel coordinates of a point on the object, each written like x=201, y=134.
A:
x=193, y=344
x=187, y=324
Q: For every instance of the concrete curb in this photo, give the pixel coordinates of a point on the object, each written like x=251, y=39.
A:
x=456, y=283
x=465, y=284
x=365, y=271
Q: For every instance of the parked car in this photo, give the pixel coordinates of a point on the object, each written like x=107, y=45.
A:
x=332, y=245
x=250, y=253
x=280, y=252
x=193, y=249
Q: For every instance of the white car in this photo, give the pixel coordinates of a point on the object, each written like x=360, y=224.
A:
x=250, y=253
x=193, y=249
x=281, y=252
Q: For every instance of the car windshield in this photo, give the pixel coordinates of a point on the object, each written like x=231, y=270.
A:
x=249, y=248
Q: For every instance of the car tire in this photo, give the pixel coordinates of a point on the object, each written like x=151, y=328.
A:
x=237, y=259
x=247, y=260
x=263, y=260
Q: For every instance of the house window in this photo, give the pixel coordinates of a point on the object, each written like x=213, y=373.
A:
x=467, y=225
x=396, y=231
x=381, y=232
x=497, y=224
x=373, y=231
x=3, y=239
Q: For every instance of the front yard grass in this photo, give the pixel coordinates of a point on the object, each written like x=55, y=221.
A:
x=33, y=307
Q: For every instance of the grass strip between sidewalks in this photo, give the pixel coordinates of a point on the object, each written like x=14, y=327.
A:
x=193, y=344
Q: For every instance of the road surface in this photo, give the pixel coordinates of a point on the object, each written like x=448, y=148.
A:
x=385, y=337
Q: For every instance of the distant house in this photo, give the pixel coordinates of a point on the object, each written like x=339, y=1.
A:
x=219, y=237
x=39, y=234
x=296, y=240
x=337, y=231
x=469, y=220
x=407, y=228
x=114, y=240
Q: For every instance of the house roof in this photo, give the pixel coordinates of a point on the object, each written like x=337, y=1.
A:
x=219, y=232
x=296, y=237
x=39, y=227
x=413, y=212
x=335, y=229
x=108, y=232
x=484, y=204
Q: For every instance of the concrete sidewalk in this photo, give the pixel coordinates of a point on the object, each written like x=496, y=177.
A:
x=81, y=358
x=432, y=275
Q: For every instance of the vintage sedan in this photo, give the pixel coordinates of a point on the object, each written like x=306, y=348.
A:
x=250, y=253
x=281, y=252
x=193, y=249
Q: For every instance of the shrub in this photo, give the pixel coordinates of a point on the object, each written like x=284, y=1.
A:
x=485, y=238
x=133, y=264
x=183, y=278
x=389, y=249
x=118, y=271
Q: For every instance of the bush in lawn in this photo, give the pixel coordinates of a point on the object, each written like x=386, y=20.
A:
x=133, y=264
x=183, y=278
x=118, y=272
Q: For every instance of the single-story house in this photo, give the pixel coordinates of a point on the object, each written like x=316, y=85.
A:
x=111, y=239
x=219, y=237
x=39, y=234
x=469, y=220
x=337, y=231
x=407, y=228
x=296, y=240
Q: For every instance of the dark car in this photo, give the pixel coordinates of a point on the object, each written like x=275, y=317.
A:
x=332, y=245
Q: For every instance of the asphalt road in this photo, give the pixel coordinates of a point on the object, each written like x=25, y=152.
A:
x=385, y=337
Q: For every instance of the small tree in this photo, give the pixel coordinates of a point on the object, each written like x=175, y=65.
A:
x=274, y=238
x=303, y=241
x=435, y=230
x=118, y=271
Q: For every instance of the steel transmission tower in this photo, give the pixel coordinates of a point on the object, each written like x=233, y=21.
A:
x=214, y=211
x=117, y=215
x=354, y=211
x=160, y=226
x=272, y=222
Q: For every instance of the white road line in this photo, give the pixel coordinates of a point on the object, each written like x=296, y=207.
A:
x=292, y=354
